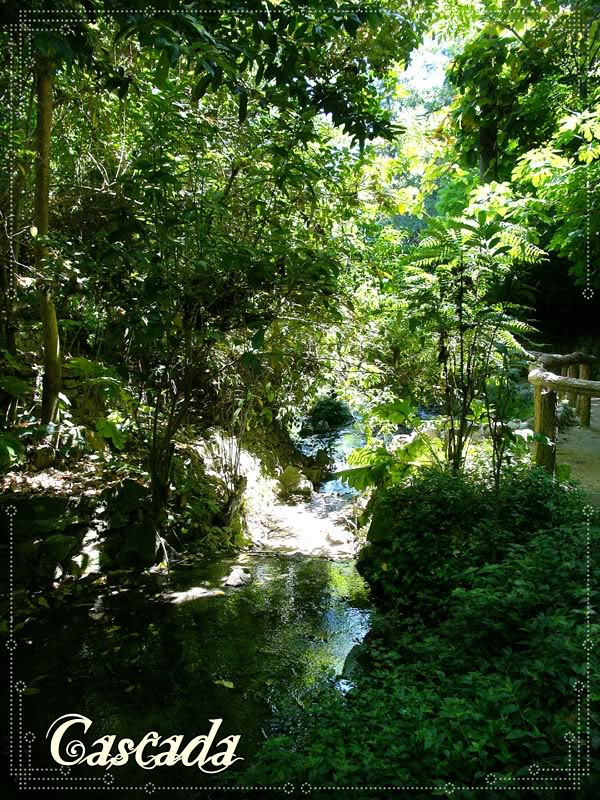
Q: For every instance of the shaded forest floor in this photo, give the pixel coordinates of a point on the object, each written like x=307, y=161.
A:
x=580, y=448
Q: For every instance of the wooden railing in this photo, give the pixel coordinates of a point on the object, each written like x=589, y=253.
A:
x=574, y=381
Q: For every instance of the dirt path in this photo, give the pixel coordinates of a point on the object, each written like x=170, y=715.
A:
x=580, y=447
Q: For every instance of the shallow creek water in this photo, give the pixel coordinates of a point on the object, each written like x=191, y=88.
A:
x=169, y=652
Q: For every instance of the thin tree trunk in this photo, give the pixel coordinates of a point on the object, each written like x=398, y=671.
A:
x=488, y=143
x=51, y=343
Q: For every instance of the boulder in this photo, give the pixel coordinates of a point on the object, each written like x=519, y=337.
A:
x=60, y=547
x=238, y=577
x=304, y=487
x=295, y=482
x=44, y=457
x=95, y=441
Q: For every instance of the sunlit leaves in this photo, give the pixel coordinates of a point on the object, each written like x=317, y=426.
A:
x=560, y=174
x=288, y=57
x=399, y=412
x=539, y=166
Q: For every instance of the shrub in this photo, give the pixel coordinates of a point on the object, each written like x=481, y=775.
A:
x=329, y=413
x=479, y=697
x=425, y=533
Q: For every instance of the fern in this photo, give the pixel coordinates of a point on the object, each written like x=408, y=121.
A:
x=453, y=279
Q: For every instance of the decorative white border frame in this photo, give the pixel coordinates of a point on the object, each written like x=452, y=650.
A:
x=20, y=758
x=577, y=27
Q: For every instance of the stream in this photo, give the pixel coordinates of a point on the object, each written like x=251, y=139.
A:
x=168, y=652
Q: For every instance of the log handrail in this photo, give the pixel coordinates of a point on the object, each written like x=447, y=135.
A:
x=557, y=360
x=539, y=377
x=580, y=391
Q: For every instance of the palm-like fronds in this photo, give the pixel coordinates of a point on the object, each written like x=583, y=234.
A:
x=456, y=282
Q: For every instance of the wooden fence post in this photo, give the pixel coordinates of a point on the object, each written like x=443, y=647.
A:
x=573, y=373
x=545, y=424
x=584, y=403
x=564, y=371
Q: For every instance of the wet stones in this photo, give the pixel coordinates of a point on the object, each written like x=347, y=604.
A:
x=293, y=481
x=339, y=537
x=239, y=576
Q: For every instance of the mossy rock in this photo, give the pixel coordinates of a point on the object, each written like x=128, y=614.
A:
x=60, y=547
x=293, y=481
x=40, y=515
x=290, y=477
x=139, y=546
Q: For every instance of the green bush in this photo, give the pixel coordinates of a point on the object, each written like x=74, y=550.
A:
x=483, y=695
x=424, y=534
x=518, y=405
x=329, y=413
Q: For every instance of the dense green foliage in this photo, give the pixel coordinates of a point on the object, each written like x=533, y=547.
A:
x=481, y=693
x=217, y=155
x=427, y=532
x=329, y=413
x=228, y=226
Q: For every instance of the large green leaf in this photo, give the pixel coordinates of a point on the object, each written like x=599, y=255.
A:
x=17, y=387
x=109, y=430
x=12, y=451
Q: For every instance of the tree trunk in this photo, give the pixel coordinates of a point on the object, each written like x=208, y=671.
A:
x=51, y=343
x=7, y=329
x=488, y=153
x=161, y=460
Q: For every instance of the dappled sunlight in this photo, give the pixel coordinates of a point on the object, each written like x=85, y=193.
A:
x=195, y=593
x=280, y=447
x=86, y=479
x=308, y=529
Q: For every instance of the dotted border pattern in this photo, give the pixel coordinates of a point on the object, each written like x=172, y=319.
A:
x=21, y=767
x=579, y=29
x=550, y=778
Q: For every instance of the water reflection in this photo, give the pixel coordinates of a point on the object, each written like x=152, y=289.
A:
x=338, y=445
x=137, y=661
